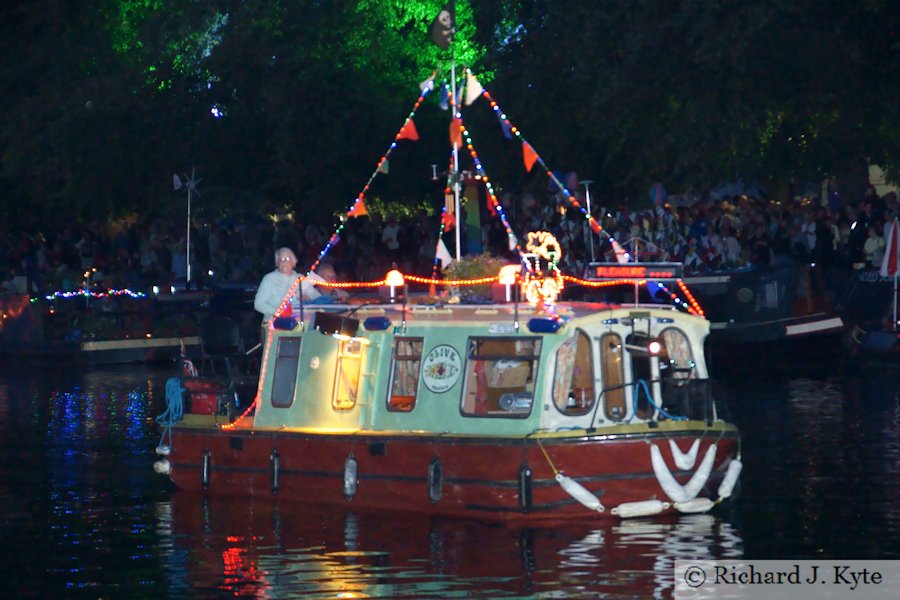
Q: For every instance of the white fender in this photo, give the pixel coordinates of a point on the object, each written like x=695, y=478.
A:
x=672, y=488
x=697, y=505
x=684, y=461
x=730, y=479
x=579, y=492
x=163, y=467
x=645, y=508
x=163, y=450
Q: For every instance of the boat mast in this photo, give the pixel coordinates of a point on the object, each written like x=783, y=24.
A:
x=455, y=173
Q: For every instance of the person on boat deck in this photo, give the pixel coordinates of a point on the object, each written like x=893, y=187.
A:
x=275, y=284
x=312, y=294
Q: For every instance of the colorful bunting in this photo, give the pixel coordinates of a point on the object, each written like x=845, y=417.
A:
x=358, y=209
x=529, y=156
x=441, y=253
x=445, y=98
x=507, y=129
x=384, y=166
x=456, y=132
x=408, y=131
x=473, y=88
x=448, y=220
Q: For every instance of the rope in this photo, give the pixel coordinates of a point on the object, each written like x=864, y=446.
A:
x=174, y=410
x=547, y=456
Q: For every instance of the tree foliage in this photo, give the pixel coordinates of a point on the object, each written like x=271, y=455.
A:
x=290, y=103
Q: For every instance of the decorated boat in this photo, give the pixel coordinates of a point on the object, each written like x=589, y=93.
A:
x=537, y=410
x=527, y=408
x=93, y=326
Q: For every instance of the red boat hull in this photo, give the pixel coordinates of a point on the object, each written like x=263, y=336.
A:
x=498, y=478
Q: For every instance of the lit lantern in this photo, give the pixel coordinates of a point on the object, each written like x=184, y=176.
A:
x=509, y=275
x=394, y=279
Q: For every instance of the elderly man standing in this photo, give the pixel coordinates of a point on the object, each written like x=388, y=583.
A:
x=275, y=285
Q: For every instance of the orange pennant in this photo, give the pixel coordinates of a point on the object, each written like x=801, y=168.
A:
x=456, y=132
x=529, y=156
x=358, y=209
x=449, y=220
x=408, y=131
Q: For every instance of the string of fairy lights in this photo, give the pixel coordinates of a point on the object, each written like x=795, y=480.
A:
x=359, y=198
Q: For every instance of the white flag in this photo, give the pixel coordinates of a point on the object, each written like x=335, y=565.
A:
x=442, y=254
x=176, y=181
x=513, y=242
x=621, y=255
x=473, y=89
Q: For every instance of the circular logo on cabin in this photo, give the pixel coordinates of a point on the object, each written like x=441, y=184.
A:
x=441, y=368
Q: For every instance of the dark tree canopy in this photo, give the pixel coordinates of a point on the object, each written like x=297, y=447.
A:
x=291, y=103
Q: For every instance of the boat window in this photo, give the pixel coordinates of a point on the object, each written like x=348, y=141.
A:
x=500, y=376
x=573, y=383
x=284, y=379
x=613, y=372
x=407, y=357
x=676, y=359
x=347, y=377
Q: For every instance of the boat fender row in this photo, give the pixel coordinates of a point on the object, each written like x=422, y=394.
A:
x=205, y=468
x=696, y=505
x=435, y=480
x=275, y=459
x=579, y=492
x=350, y=479
x=684, y=461
x=674, y=490
x=525, y=498
x=644, y=508
x=730, y=479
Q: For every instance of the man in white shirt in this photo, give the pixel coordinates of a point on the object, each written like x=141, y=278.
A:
x=275, y=285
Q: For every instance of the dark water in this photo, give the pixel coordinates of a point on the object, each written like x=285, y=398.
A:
x=82, y=515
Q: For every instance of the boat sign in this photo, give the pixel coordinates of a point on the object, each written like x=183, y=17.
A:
x=655, y=271
x=502, y=328
x=441, y=368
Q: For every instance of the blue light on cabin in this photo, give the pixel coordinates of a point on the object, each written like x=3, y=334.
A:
x=376, y=323
x=665, y=320
x=610, y=321
x=544, y=325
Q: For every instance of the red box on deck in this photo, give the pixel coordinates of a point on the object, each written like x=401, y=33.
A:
x=204, y=395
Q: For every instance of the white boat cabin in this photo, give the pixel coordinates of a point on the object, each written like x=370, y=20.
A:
x=484, y=370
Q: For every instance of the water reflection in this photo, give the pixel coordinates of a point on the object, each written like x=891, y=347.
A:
x=269, y=550
x=82, y=515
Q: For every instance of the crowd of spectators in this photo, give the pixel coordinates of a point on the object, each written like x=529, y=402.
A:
x=710, y=234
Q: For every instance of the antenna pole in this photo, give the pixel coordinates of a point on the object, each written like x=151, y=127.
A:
x=587, y=198
x=455, y=159
x=187, y=251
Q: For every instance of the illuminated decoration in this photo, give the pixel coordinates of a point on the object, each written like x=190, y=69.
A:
x=527, y=150
x=692, y=306
x=655, y=271
x=83, y=293
x=393, y=280
x=404, y=131
x=542, y=282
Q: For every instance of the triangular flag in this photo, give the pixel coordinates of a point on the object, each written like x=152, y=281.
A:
x=442, y=254
x=473, y=89
x=491, y=204
x=621, y=255
x=456, y=132
x=529, y=156
x=890, y=264
x=384, y=166
x=428, y=84
x=358, y=209
x=176, y=181
x=507, y=128
x=443, y=27
x=408, y=131
x=513, y=241
x=448, y=220
x=445, y=98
